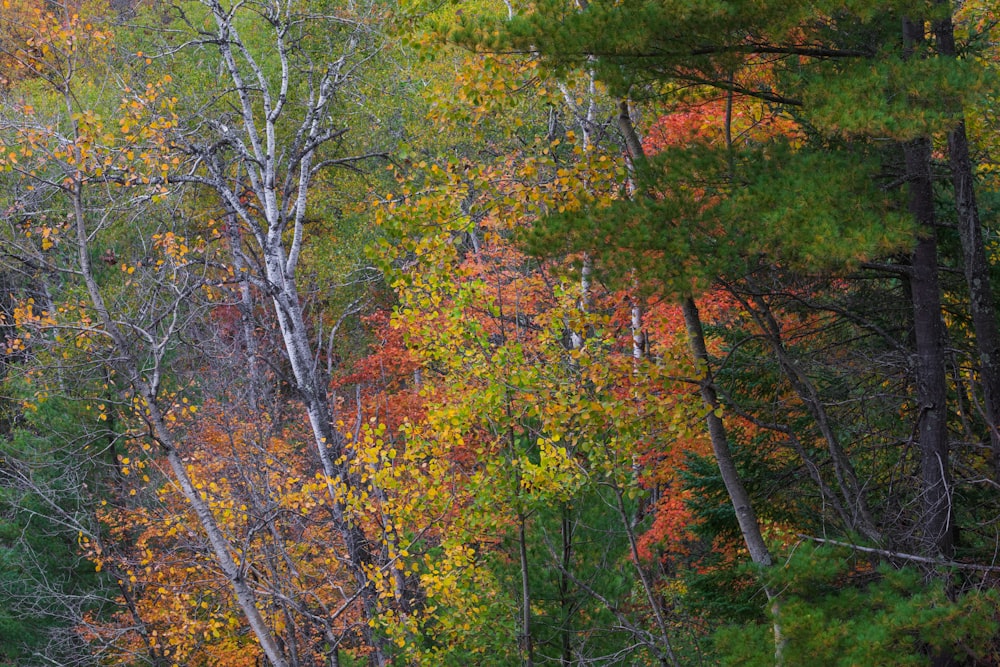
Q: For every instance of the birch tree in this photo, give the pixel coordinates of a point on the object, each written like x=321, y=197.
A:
x=68, y=163
x=261, y=159
x=258, y=145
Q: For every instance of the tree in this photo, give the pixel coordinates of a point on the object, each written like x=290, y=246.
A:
x=741, y=323
x=732, y=210
x=103, y=179
x=262, y=168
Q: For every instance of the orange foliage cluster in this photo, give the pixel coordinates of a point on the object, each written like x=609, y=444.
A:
x=175, y=604
x=382, y=385
x=704, y=122
x=39, y=38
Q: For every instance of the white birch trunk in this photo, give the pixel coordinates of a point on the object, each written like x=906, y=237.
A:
x=638, y=333
x=280, y=171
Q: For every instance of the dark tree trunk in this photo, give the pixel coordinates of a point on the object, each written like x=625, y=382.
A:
x=565, y=601
x=977, y=268
x=932, y=416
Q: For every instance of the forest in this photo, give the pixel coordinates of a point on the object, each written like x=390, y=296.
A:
x=463, y=332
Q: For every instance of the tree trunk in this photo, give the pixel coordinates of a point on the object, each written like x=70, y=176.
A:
x=245, y=306
x=279, y=175
x=854, y=496
x=738, y=496
x=977, y=267
x=932, y=418
x=527, y=646
x=666, y=656
x=932, y=427
x=745, y=515
x=565, y=602
x=330, y=444
x=146, y=391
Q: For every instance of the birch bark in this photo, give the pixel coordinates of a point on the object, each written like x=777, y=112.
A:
x=280, y=165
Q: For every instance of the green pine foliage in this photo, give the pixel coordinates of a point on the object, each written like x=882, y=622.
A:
x=840, y=609
x=44, y=501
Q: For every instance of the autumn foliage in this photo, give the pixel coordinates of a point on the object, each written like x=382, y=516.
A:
x=570, y=333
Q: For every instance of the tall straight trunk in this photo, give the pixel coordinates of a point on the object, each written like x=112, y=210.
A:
x=929, y=362
x=565, y=602
x=932, y=427
x=527, y=646
x=977, y=267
